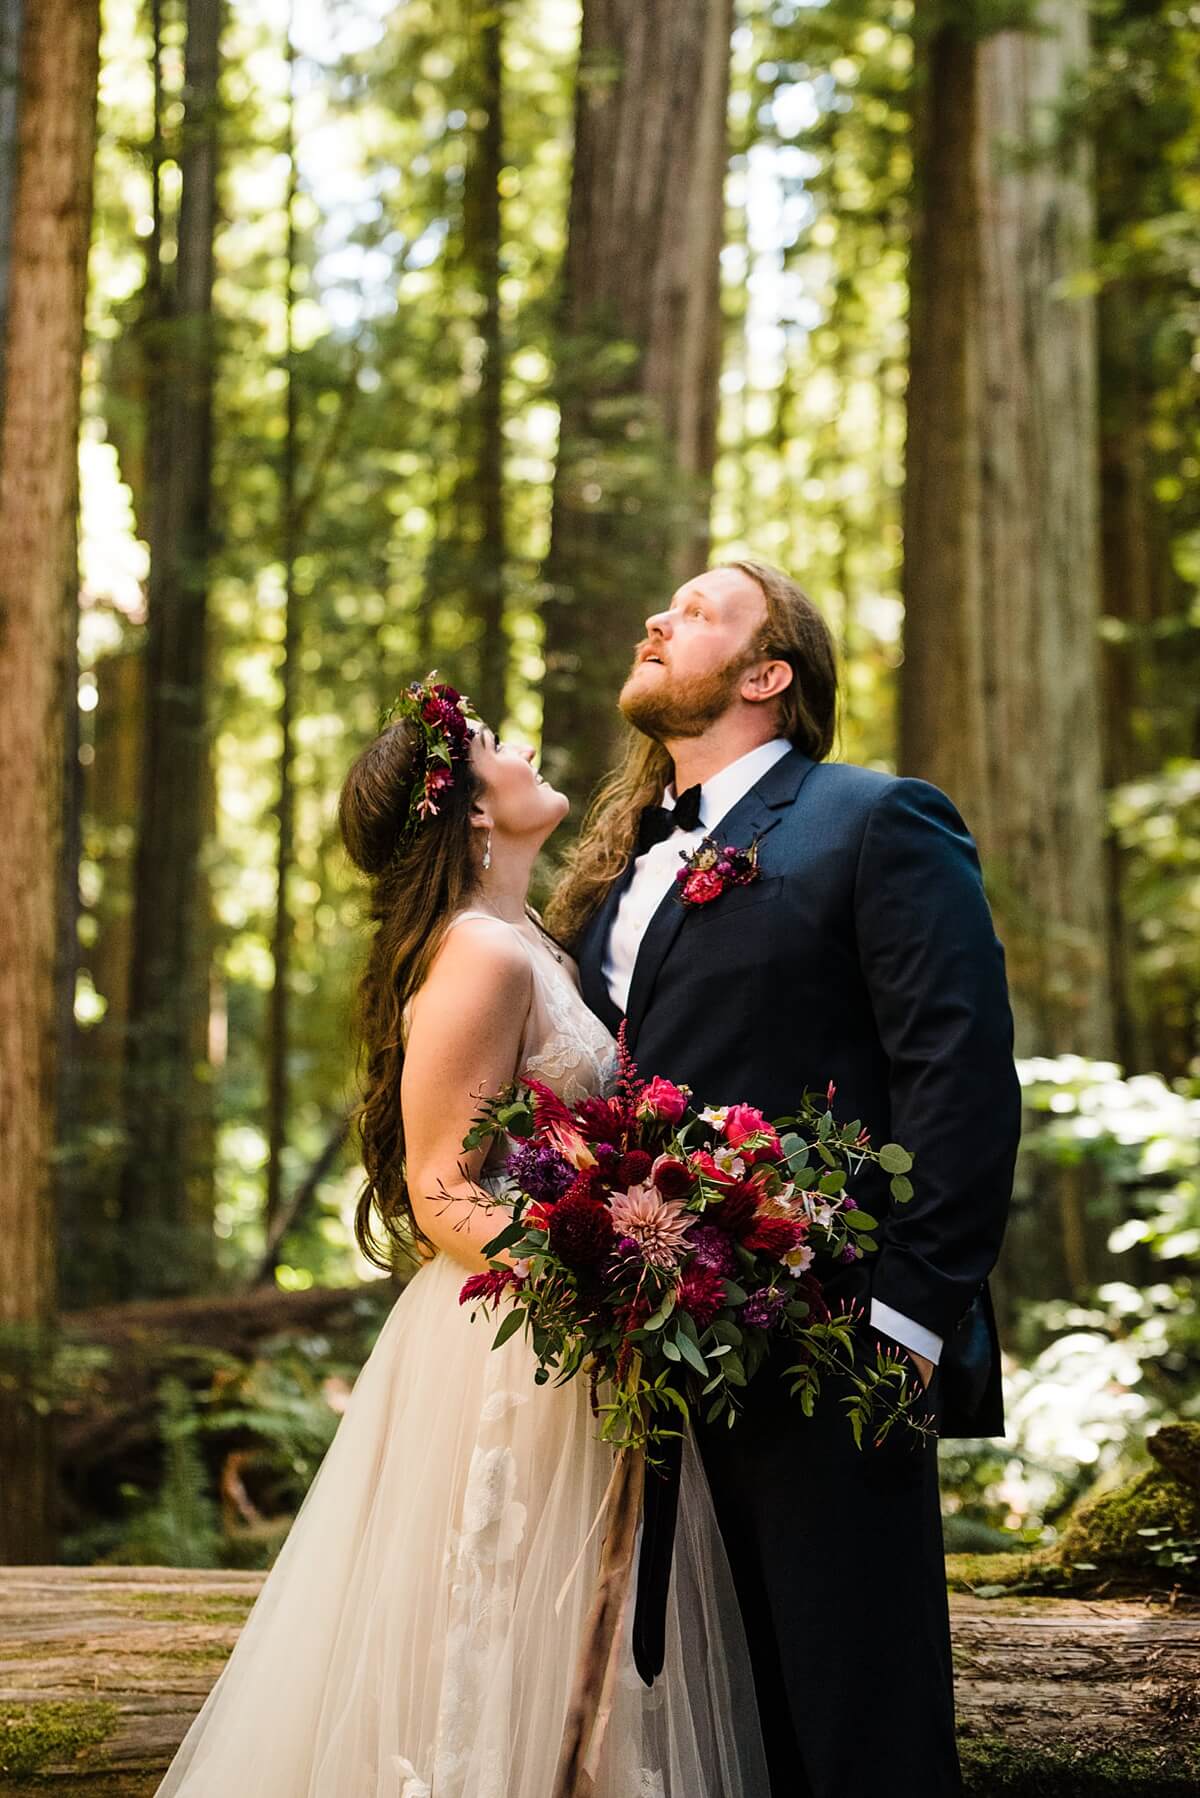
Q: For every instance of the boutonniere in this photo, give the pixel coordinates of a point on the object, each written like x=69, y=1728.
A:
x=708, y=870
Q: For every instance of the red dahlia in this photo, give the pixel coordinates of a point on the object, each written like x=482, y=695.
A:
x=581, y=1230
x=774, y=1236
x=736, y=1212
x=601, y=1120
x=701, y=1293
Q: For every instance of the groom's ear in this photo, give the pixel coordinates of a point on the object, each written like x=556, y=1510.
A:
x=767, y=681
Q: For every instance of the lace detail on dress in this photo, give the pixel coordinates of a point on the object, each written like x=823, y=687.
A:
x=579, y=1056
x=565, y=1045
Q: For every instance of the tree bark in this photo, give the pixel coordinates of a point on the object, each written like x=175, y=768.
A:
x=639, y=356
x=281, y=939
x=166, y=1185
x=482, y=243
x=1000, y=685
x=47, y=235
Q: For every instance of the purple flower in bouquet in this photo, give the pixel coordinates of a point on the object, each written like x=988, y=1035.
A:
x=712, y=1248
x=540, y=1171
x=763, y=1309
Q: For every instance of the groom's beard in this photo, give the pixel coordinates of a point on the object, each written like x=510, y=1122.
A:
x=685, y=707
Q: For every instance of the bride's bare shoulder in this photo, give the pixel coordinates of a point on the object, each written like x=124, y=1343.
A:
x=481, y=964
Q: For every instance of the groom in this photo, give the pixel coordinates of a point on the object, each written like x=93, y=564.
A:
x=864, y=954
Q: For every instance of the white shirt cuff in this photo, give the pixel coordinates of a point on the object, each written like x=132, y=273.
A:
x=907, y=1333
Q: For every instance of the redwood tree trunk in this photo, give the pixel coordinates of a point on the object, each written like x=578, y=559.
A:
x=1001, y=682
x=166, y=1186
x=46, y=235
x=639, y=356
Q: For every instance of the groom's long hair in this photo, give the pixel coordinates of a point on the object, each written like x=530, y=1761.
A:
x=795, y=632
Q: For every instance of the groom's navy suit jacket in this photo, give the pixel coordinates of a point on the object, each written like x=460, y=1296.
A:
x=863, y=954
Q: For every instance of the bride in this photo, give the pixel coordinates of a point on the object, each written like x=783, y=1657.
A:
x=417, y=1635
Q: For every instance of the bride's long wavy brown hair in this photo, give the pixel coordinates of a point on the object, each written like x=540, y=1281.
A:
x=794, y=631
x=415, y=889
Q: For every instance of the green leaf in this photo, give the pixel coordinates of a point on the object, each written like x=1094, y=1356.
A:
x=735, y=1294
x=859, y=1220
x=893, y=1159
x=831, y=1184
x=691, y=1353
x=509, y=1327
x=658, y=1318
x=669, y=1349
x=902, y=1189
x=508, y=1236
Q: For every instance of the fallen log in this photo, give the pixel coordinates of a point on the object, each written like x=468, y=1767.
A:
x=101, y=1670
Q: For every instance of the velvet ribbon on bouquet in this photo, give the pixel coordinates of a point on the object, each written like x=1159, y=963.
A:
x=590, y=1703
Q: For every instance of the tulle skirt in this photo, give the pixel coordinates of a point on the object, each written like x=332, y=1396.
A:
x=408, y=1642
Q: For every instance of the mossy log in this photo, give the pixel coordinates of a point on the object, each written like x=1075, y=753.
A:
x=101, y=1670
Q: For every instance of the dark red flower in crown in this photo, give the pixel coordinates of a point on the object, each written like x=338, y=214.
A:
x=445, y=733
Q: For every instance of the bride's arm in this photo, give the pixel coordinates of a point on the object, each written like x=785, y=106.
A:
x=464, y=1040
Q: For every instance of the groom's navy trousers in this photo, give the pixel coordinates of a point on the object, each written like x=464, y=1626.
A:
x=863, y=954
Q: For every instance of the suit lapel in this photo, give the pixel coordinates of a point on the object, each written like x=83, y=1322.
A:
x=755, y=815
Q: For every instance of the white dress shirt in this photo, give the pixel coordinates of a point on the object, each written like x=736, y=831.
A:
x=653, y=877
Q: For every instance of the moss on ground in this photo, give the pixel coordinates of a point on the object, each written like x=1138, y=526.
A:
x=39, y=1735
x=992, y=1767
x=1106, y=1529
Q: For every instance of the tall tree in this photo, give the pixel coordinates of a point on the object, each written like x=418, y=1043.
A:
x=281, y=935
x=639, y=353
x=166, y=1192
x=1000, y=683
x=45, y=238
x=482, y=242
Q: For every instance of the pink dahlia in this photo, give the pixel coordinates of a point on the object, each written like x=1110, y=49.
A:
x=659, y=1226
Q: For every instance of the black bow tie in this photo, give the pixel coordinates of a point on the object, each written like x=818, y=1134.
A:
x=657, y=822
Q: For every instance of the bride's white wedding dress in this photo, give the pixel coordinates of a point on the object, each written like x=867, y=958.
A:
x=405, y=1644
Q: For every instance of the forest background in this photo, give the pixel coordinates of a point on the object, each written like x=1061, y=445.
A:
x=341, y=339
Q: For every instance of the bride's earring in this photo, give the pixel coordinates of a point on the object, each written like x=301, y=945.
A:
x=487, y=853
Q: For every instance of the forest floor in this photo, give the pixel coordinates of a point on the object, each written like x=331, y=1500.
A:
x=101, y=1670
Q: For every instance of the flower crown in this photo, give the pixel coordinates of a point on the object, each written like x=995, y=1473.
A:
x=445, y=735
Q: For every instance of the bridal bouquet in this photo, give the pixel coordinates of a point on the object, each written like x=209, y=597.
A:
x=663, y=1250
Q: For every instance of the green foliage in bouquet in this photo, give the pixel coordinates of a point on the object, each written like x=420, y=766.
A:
x=668, y=1251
